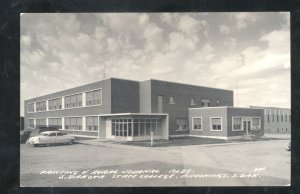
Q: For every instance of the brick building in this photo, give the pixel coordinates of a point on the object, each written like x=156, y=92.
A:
x=276, y=120
x=123, y=109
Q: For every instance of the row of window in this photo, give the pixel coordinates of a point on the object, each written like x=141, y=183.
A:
x=92, y=98
x=71, y=123
x=279, y=118
x=216, y=123
x=204, y=102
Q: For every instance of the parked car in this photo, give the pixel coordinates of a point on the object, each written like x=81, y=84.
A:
x=48, y=138
x=288, y=146
x=39, y=130
x=24, y=136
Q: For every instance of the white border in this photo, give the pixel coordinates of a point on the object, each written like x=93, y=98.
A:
x=193, y=124
x=210, y=118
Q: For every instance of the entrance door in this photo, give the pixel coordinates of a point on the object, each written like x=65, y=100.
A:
x=160, y=104
x=246, y=126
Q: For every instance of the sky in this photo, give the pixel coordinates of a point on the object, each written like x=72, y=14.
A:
x=246, y=52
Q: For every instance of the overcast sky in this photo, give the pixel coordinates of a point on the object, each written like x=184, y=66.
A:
x=60, y=51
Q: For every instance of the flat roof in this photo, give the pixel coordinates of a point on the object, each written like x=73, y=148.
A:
x=232, y=107
x=134, y=114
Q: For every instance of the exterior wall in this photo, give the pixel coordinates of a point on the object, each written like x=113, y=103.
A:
x=242, y=112
x=206, y=114
x=183, y=94
x=226, y=113
x=276, y=126
x=145, y=96
x=104, y=108
x=124, y=96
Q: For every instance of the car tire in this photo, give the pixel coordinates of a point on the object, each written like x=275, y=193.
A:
x=47, y=144
x=35, y=145
x=71, y=142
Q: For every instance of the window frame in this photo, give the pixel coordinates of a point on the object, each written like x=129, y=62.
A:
x=80, y=104
x=193, y=123
x=211, y=128
x=29, y=104
x=172, y=101
x=86, y=102
x=232, y=124
x=259, y=121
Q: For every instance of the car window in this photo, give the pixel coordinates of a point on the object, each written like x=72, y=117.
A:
x=59, y=134
x=44, y=134
x=52, y=134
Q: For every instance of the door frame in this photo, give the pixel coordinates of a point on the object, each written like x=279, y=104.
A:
x=247, y=120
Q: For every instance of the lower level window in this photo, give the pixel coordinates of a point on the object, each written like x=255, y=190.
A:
x=92, y=123
x=54, y=122
x=143, y=127
x=255, y=123
x=216, y=124
x=237, y=124
x=121, y=127
x=197, y=123
x=181, y=124
x=40, y=123
x=73, y=123
x=31, y=123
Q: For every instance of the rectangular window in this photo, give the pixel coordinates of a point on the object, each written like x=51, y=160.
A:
x=31, y=123
x=121, y=127
x=281, y=118
x=31, y=107
x=73, y=101
x=55, y=123
x=193, y=101
x=73, y=123
x=236, y=124
x=41, y=106
x=143, y=127
x=268, y=118
x=54, y=104
x=205, y=103
x=216, y=124
x=286, y=118
x=40, y=123
x=172, y=100
x=197, y=123
x=181, y=124
x=92, y=123
x=255, y=123
x=94, y=97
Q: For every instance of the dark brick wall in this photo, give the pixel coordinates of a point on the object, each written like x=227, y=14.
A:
x=125, y=96
x=145, y=96
x=183, y=94
x=206, y=114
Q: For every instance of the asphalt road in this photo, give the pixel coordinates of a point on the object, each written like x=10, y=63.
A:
x=264, y=163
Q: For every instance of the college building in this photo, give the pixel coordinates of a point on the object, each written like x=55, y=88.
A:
x=276, y=120
x=128, y=110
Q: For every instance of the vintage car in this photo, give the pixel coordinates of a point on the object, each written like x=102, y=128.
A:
x=48, y=138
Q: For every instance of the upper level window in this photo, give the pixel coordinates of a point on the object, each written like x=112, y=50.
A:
x=216, y=124
x=193, y=101
x=54, y=104
x=237, y=124
x=73, y=101
x=197, y=123
x=205, y=103
x=41, y=106
x=172, y=100
x=218, y=102
x=31, y=107
x=94, y=97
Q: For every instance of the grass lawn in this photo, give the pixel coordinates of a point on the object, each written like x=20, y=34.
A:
x=179, y=141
